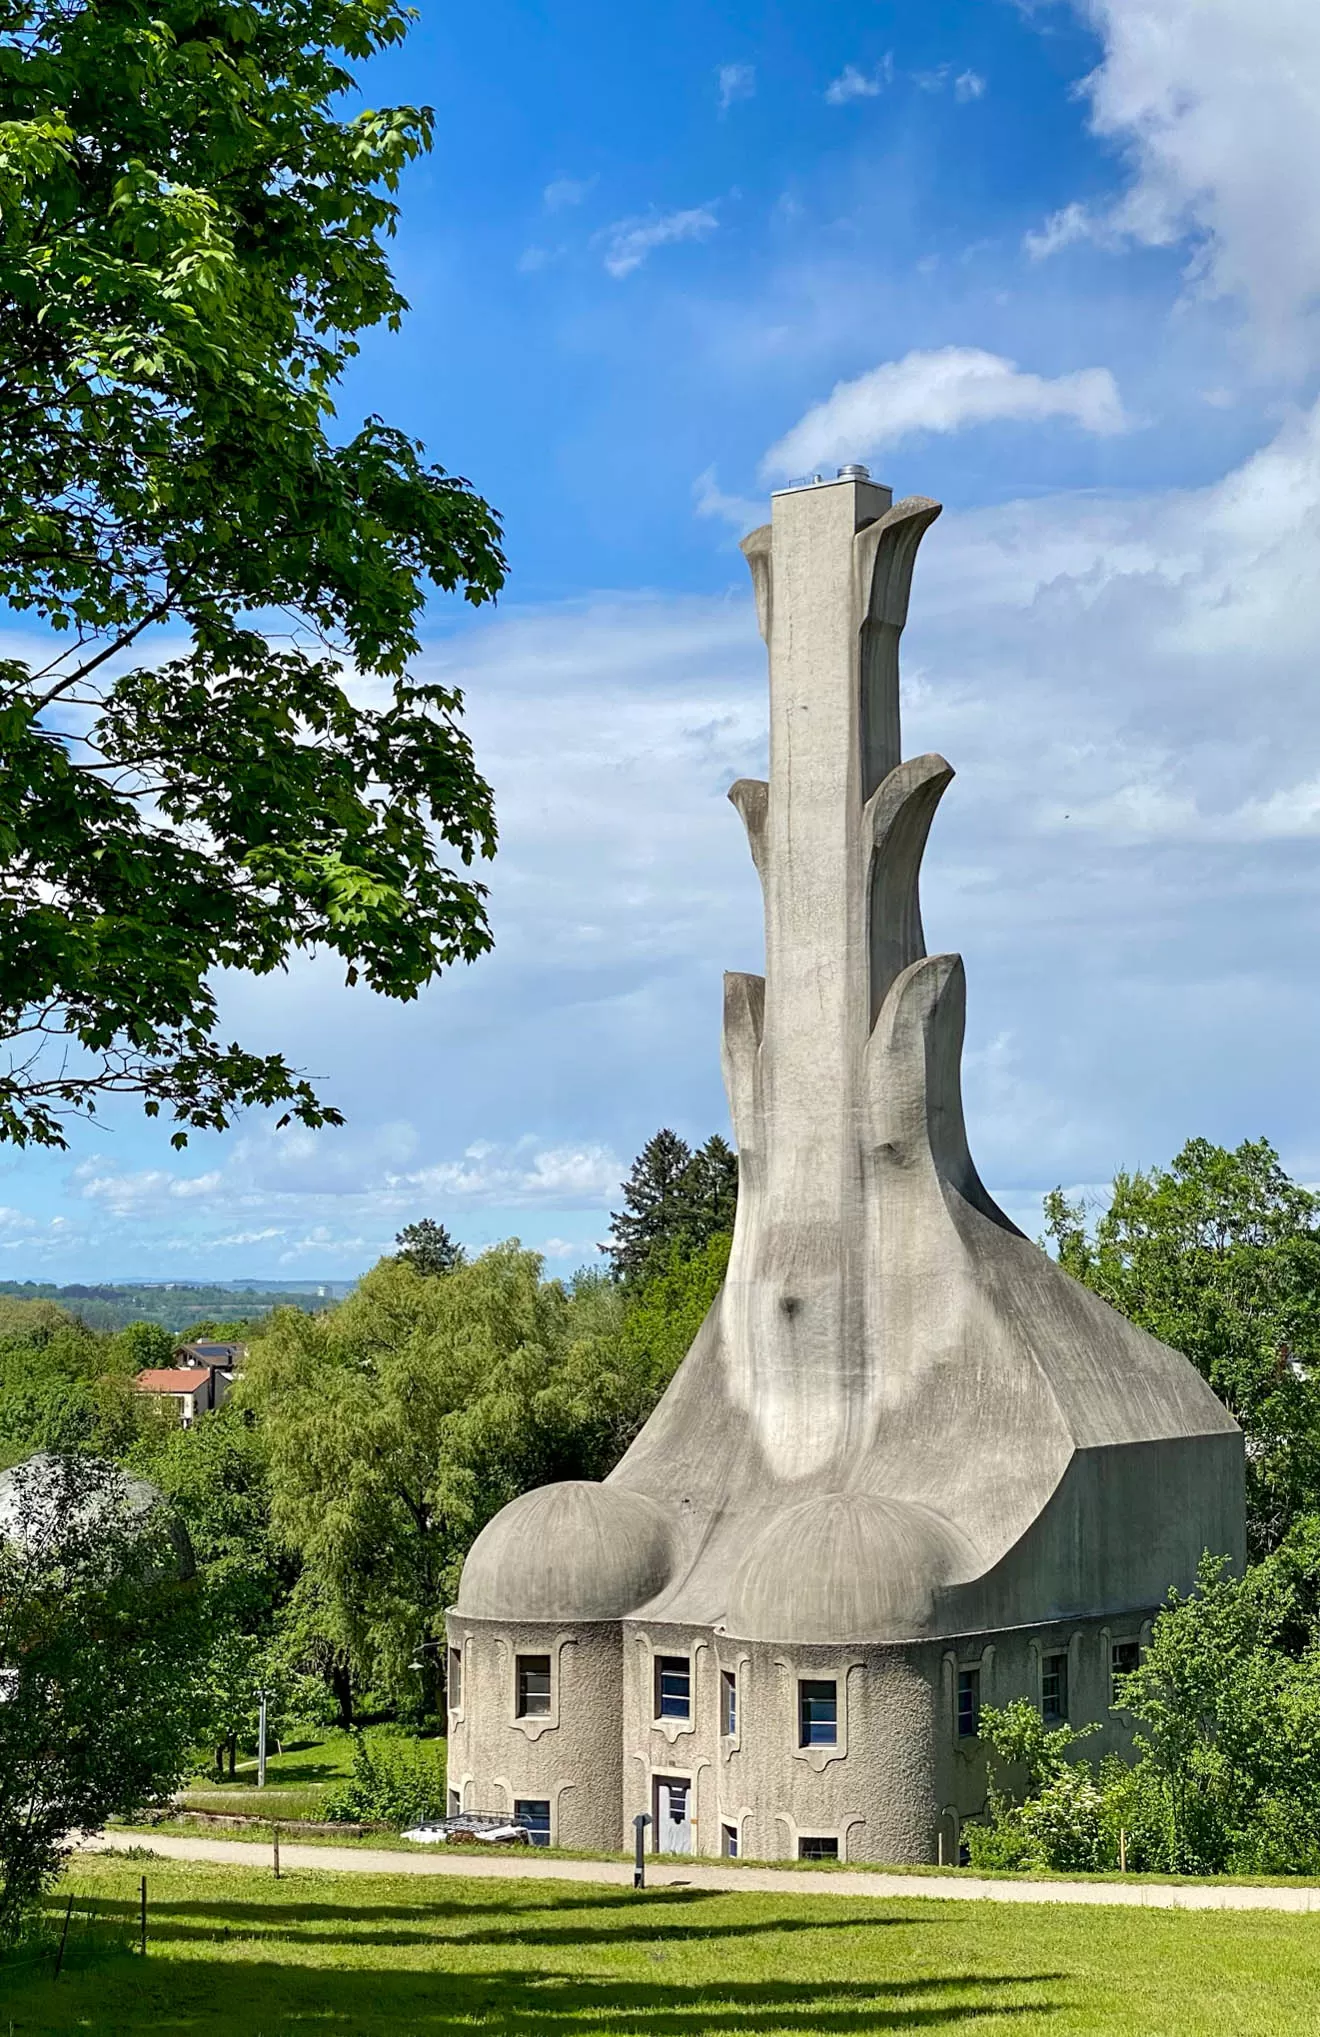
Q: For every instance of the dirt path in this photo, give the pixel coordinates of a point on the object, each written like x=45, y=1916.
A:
x=712, y=1875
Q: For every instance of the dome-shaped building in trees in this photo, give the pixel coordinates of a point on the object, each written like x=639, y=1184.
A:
x=909, y=1466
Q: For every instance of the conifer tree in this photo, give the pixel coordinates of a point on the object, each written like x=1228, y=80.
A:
x=428, y=1248
x=675, y=1201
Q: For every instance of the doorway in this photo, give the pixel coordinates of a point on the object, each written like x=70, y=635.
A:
x=673, y=1826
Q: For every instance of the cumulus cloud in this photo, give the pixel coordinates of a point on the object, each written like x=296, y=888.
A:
x=854, y=84
x=1129, y=859
x=631, y=241
x=1216, y=107
x=734, y=82
x=941, y=390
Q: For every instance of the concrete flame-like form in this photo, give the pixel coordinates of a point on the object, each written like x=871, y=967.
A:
x=903, y=1435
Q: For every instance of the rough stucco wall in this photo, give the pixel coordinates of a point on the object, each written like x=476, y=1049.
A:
x=572, y=1757
x=874, y=1790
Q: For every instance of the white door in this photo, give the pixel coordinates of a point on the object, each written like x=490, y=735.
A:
x=673, y=1831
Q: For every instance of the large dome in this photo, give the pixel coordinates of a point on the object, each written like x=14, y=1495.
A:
x=575, y=1551
x=47, y=1496
x=846, y=1567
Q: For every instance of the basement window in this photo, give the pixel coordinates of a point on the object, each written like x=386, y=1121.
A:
x=534, y=1813
x=818, y=1849
x=1054, y=1689
x=533, y=1686
x=729, y=1841
x=673, y=1687
x=818, y=1714
x=969, y=1703
x=728, y=1704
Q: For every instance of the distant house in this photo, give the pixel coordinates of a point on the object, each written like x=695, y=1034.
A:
x=195, y=1389
x=226, y=1358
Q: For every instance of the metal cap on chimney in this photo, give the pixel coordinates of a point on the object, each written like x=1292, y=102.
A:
x=854, y=471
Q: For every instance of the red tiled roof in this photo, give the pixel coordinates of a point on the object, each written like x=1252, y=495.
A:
x=173, y=1379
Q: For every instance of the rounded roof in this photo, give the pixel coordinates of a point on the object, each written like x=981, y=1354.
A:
x=46, y=1494
x=845, y=1566
x=575, y=1551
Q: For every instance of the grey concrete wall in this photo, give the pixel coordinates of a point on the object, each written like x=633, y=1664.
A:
x=572, y=1757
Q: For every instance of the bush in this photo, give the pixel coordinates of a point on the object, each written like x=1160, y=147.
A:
x=394, y=1782
x=1062, y=1820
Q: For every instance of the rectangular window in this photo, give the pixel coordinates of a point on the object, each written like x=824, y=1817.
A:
x=533, y=1686
x=673, y=1687
x=1054, y=1689
x=728, y=1704
x=729, y=1841
x=969, y=1703
x=818, y=1714
x=818, y=1849
x=455, y=1679
x=534, y=1812
x=455, y=1802
x=1123, y=1659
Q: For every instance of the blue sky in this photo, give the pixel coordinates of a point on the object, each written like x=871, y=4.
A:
x=1054, y=264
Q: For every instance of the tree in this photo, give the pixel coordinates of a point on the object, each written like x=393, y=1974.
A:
x=625, y=1348
x=216, y=1478
x=674, y=1200
x=1219, y=1255
x=428, y=1248
x=191, y=239
x=139, y=1346
x=397, y=1425
x=99, y=1638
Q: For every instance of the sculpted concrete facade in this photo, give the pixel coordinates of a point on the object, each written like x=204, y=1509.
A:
x=909, y=1466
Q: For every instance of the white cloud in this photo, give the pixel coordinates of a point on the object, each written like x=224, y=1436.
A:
x=967, y=85
x=854, y=84
x=630, y=241
x=941, y=391
x=735, y=82
x=741, y=512
x=1217, y=108
x=1063, y=229
x=565, y=191
x=1129, y=858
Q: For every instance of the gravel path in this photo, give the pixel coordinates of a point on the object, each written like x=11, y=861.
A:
x=711, y=1875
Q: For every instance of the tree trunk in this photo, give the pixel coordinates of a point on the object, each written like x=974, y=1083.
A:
x=341, y=1683
x=233, y=1756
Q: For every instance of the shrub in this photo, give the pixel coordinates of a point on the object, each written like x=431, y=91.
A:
x=394, y=1782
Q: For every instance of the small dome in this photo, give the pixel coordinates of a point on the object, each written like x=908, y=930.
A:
x=575, y=1551
x=845, y=1567
x=45, y=1494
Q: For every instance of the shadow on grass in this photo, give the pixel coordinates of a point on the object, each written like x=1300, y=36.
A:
x=178, y=1998
x=630, y=1919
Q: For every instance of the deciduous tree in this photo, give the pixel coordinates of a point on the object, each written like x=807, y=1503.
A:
x=218, y=754
x=1219, y=1255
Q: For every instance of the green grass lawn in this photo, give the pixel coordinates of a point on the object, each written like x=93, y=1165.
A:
x=236, y=1952
x=296, y=1779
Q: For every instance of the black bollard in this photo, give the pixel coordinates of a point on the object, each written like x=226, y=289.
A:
x=640, y=1823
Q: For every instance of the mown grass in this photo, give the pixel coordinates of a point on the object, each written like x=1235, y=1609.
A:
x=234, y=1951
x=297, y=1778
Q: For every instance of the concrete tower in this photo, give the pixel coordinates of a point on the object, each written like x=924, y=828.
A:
x=908, y=1466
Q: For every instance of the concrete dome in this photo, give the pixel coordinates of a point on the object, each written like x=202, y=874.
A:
x=575, y=1551
x=845, y=1567
x=45, y=1492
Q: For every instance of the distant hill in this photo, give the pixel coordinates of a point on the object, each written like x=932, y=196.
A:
x=176, y=1304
